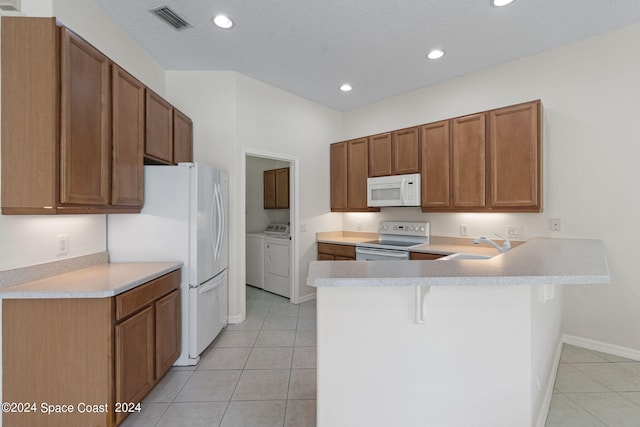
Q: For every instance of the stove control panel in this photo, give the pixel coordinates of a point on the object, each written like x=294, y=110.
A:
x=404, y=228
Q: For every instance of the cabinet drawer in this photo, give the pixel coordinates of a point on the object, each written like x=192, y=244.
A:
x=418, y=256
x=340, y=250
x=131, y=301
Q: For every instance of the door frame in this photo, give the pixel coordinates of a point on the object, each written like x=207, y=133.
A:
x=294, y=213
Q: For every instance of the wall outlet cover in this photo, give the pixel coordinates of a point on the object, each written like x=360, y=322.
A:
x=514, y=231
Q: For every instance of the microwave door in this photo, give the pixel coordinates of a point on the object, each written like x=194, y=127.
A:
x=384, y=195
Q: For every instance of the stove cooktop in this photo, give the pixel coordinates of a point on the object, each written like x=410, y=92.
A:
x=395, y=243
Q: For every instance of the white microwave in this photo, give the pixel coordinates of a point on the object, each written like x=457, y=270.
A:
x=395, y=190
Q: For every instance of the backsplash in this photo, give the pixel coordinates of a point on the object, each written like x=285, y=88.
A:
x=48, y=269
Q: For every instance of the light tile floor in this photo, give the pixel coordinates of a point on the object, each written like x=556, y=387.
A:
x=595, y=389
x=259, y=373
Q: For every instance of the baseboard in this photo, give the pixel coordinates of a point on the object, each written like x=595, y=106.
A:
x=548, y=393
x=616, y=350
x=238, y=318
x=306, y=298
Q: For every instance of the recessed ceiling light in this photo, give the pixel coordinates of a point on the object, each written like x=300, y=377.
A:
x=346, y=87
x=435, y=54
x=223, y=21
x=500, y=3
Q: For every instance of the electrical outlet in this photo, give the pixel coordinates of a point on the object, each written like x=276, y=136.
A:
x=62, y=244
x=303, y=228
x=514, y=231
x=464, y=230
x=554, y=224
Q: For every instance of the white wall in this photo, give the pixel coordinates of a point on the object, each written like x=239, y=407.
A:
x=589, y=92
x=28, y=240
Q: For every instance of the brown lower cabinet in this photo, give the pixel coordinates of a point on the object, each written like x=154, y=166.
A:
x=87, y=361
x=335, y=252
x=423, y=256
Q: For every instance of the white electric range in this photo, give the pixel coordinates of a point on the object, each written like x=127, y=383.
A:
x=394, y=241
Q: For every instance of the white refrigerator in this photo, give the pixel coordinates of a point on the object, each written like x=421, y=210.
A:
x=184, y=218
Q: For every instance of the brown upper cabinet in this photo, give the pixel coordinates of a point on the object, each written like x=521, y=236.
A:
x=80, y=156
x=405, y=151
x=394, y=153
x=379, y=152
x=182, y=137
x=85, y=153
x=488, y=161
x=435, y=141
x=169, y=132
x=276, y=188
x=85, y=128
x=484, y=162
x=468, y=162
x=128, y=138
x=158, y=147
x=349, y=172
x=515, y=156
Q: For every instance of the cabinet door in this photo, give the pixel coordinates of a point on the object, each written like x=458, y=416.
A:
x=514, y=147
x=269, y=183
x=434, y=147
x=182, y=138
x=380, y=157
x=158, y=145
x=332, y=251
x=167, y=332
x=468, y=162
x=338, y=176
x=85, y=131
x=423, y=256
x=282, y=188
x=358, y=167
x=128, y=139
x=30, y=88
x=406, y=151
x=135, y=357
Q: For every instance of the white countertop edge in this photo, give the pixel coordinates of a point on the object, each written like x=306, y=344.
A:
x=19, y=291
x=458, y=281
x=558, y=261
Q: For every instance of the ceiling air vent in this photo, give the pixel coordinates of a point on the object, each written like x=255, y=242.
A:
x=170, y=17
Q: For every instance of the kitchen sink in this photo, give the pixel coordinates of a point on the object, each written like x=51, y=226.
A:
x=464, y=256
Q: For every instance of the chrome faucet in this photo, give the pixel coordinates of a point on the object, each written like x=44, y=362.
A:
x=504, y=248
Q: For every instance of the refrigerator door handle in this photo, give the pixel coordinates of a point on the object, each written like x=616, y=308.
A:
x=212, y=238
x=202, y=289
x=221, y=224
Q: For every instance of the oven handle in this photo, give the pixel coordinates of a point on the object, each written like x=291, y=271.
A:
x=391, y=253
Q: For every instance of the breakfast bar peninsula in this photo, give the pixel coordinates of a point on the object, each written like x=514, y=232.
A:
x=446, y=343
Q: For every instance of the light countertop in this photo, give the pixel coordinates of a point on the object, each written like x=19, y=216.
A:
x=437, y=245
x=98, y=281
x=539, y=261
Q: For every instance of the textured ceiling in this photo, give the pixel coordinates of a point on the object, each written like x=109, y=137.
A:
x=310, y=47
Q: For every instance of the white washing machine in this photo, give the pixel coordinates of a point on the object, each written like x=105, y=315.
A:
x=255, y=259
x=277, y=247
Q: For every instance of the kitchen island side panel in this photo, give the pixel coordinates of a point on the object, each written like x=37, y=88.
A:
x=468, y=364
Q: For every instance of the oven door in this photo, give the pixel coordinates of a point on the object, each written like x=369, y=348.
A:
x=371, y=254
